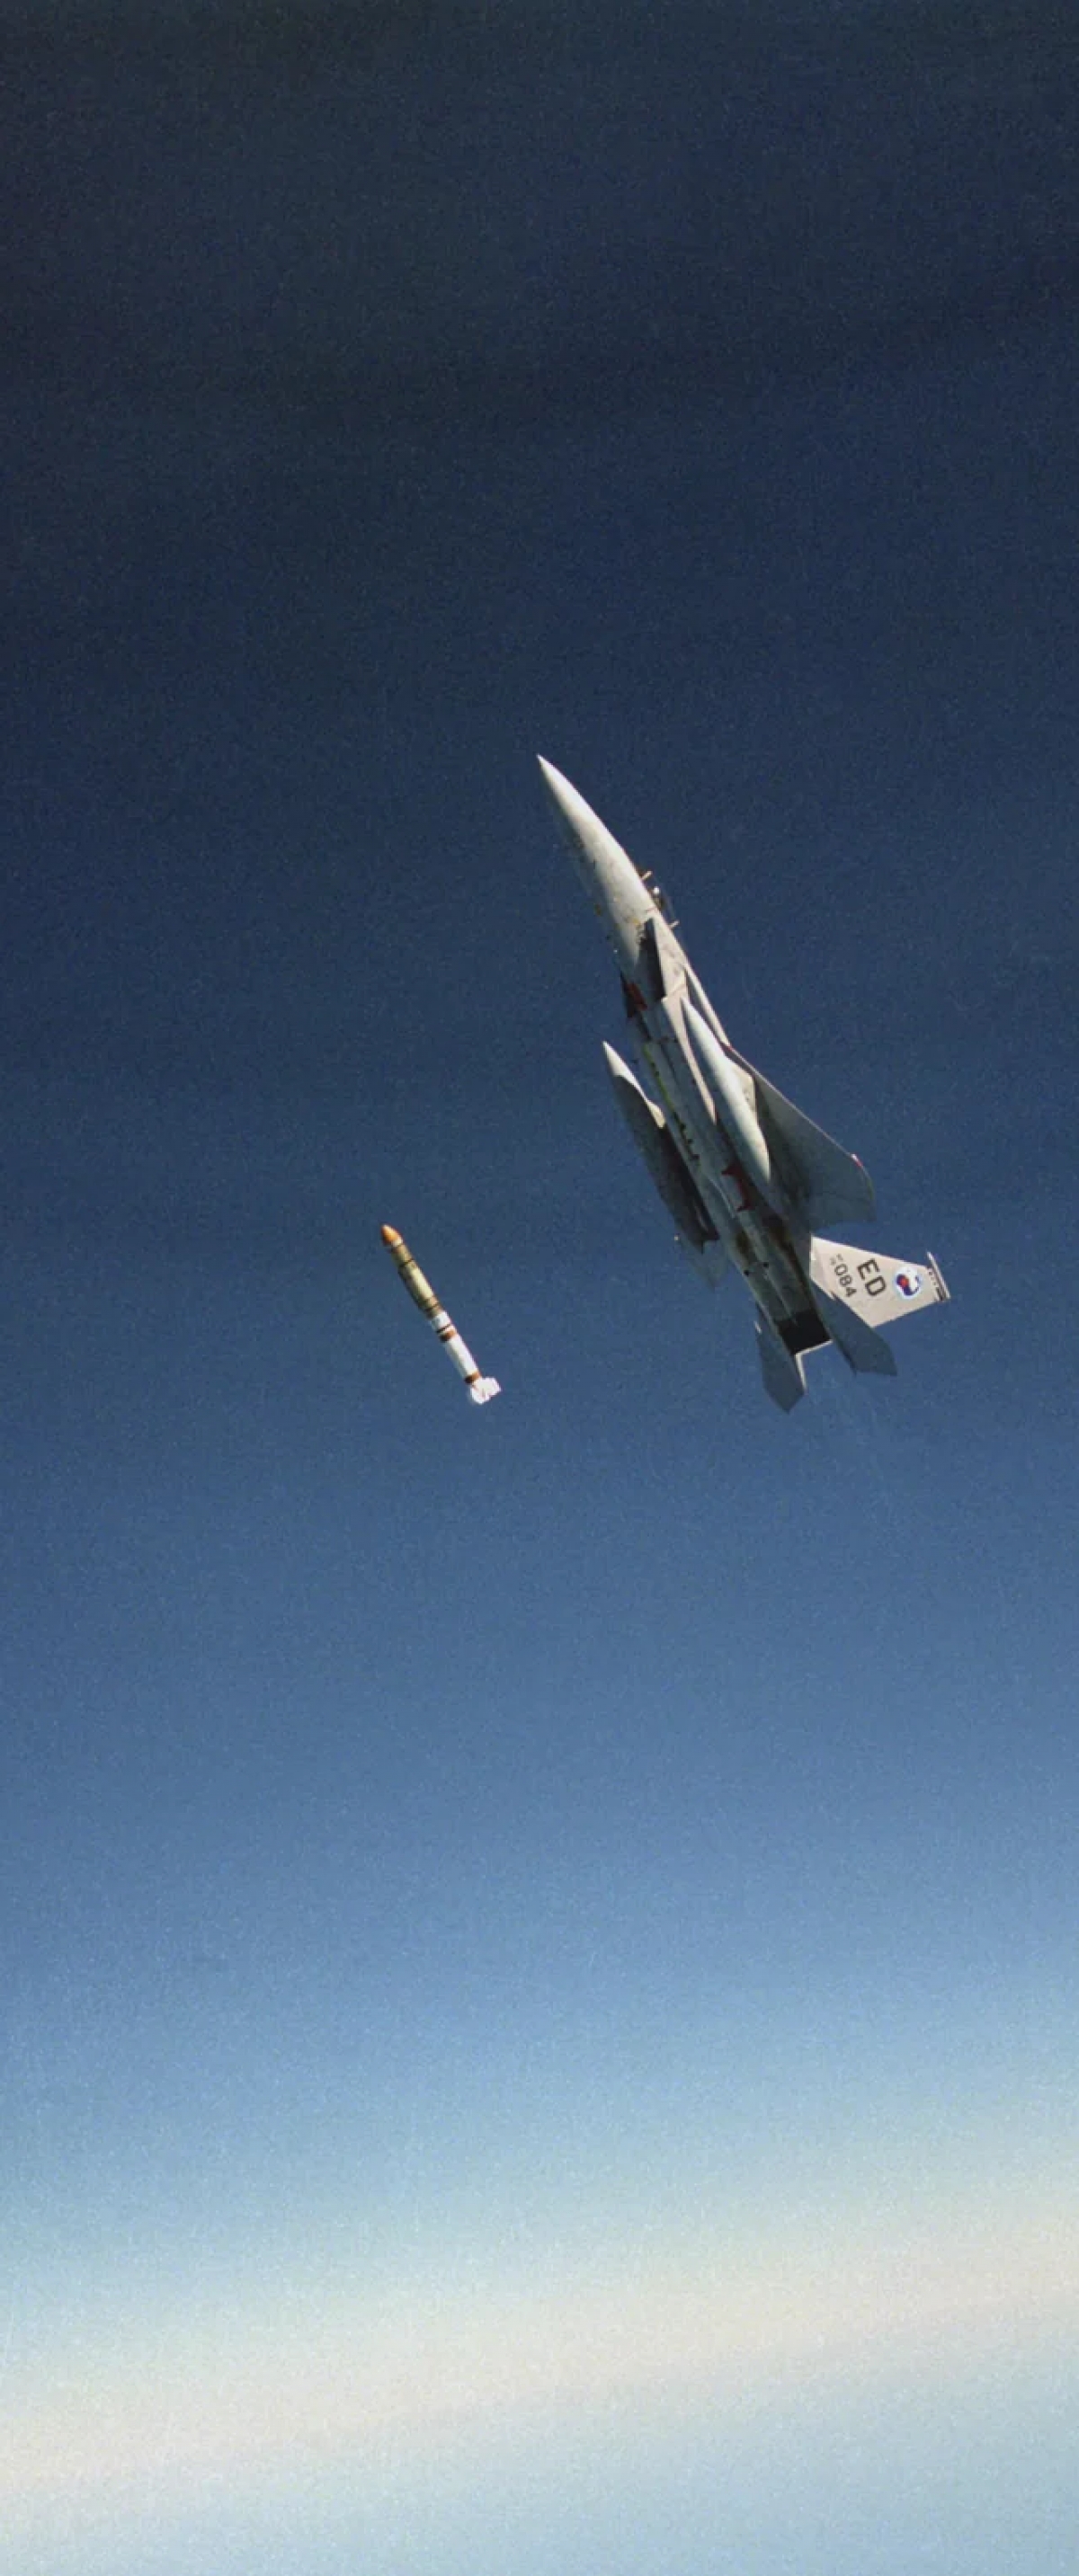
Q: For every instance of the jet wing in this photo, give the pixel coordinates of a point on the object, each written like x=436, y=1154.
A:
x=652, y=1137
x=827, y=1186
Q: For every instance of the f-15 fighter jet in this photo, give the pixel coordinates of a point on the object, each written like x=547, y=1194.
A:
x=747, y=1177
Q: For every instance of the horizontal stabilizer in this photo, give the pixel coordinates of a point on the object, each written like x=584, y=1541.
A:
x=874, y=1285
x=862, y=1348
x=827, y=1185
x=784, y=1376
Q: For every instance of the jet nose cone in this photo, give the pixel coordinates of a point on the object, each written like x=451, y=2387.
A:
x=569, y=807
x=609, y=877
x=588, y=838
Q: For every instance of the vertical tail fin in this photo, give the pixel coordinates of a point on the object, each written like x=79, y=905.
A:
x=873, y=1286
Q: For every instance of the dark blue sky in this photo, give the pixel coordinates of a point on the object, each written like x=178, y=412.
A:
x=538, y=1946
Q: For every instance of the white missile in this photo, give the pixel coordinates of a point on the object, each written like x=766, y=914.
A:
x=480, y=1388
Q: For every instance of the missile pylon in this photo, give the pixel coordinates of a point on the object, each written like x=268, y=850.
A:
x=480, y=1388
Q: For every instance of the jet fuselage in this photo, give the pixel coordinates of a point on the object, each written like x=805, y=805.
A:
x=747, y=1177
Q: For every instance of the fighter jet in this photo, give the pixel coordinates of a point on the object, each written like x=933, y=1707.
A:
x=750, y=1181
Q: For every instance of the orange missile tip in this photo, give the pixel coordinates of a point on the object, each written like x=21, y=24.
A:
x=390, y=1235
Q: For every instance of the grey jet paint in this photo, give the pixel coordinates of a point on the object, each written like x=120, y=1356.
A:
x=748, y=1179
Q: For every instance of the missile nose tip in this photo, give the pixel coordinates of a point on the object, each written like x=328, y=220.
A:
x=390, y=1235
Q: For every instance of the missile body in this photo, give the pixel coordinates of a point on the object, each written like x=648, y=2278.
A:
x=481, y=1389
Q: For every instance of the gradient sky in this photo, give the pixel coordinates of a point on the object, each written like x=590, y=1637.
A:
x=538, y=2000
